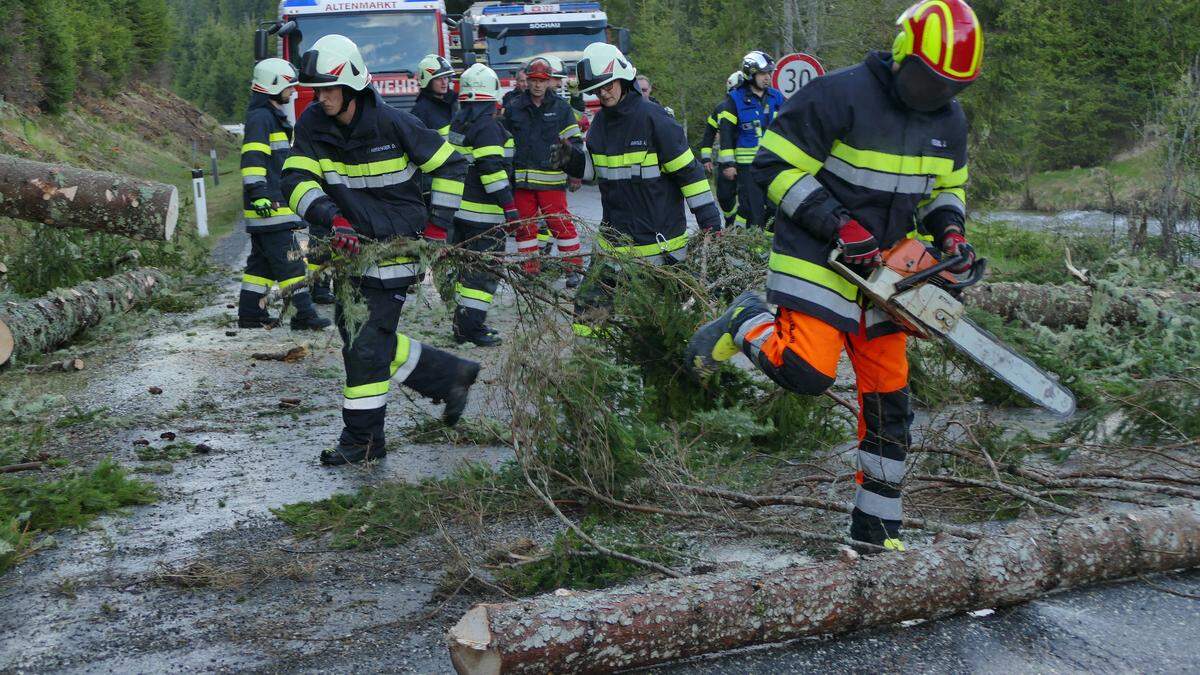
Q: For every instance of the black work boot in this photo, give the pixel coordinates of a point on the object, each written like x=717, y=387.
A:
x=446, y=378
x=714, y=342
x=480, y=337
x=322, y=292
x=312, y=321
x=263, y=321
x=352, y=454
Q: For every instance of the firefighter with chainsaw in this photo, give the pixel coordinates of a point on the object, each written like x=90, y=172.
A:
x=855, y=162
x=276, y=256
x=353, y=175
x=487, y=203
x=539, y=119
x=752, y=107
x=640, y=158
x=727, y=189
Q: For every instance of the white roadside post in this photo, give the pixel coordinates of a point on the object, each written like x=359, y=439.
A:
x=201, y=202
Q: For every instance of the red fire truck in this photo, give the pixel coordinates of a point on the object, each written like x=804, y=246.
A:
x=393, y=35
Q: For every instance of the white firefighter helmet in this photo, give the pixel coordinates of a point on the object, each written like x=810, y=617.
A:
x=334, y=61
x=478, y=83
x=602, y=63
x=431, y=68
x=757, y=62
x=735, y=80
x=272, y=76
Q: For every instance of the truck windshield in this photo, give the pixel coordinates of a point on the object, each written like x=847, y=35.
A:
x=390, y=41
x=522, y=45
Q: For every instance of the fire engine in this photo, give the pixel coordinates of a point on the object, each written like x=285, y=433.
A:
x=394, y=35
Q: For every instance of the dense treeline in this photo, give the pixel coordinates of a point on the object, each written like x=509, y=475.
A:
x=50, y=50
x=1066, y=82
x=214, y=53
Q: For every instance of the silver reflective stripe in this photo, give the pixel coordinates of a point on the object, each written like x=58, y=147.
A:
x=307, y=200
x=272, y=220
x=627, y=172
x=750, y=325
x=567, y=243
x=472, y=303
x=796, y=194
x=252, y=180
x=946, y=199
x=879, y=180
x=280, y=145
x=365, y=403
x=360, y=182
x=868, y=502
x=589, y=169
x=533, y=175
x=409, y=365
x=476, y=217
x=444, y=199
x=696, y=201
x=876, y=316
x=254, y=288
x=499, y=185
x=805, y=290
x=881, y=468
x=387, y=272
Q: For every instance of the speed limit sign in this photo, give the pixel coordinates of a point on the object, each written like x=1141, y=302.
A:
x=794, y=71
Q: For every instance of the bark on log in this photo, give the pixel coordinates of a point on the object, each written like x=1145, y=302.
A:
x=43, y=324
x=679, y=618
x=1061, y=306
x=67, y=196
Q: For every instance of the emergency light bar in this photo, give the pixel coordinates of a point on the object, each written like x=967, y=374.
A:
x=543, y=9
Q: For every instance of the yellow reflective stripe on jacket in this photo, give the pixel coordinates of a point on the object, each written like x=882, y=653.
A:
x=303, y=163
x=951, y=180
x=301, y=190
x=256, y=147
x=725, y=153
x=643, y=158
x=697, y=188
x=645, y=250
x=444, y=131
x=439, y=158
x=488, y=151
x=489, y=178
x=281, y=211
x=481, y=208
x=730, y=117
x=254, y=170
x=446, y=185
x=789, y=152
x=817, y=274
x=288, y=283
x=277, y=136
x=362, y=170
x=569, y=131
x=784, y=182
x=907, y=165
x=745, y=155
x=712, y=121
x=679, y=162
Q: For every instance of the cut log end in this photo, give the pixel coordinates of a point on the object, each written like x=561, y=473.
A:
x=471, y=650
x=6, y=343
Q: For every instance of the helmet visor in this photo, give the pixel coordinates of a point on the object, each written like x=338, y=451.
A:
x=922, y=89
x=590, y=80
x=309, y=75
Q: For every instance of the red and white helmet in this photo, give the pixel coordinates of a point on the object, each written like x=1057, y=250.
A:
x=272, y=76
x=334, y=61
x=478, y=83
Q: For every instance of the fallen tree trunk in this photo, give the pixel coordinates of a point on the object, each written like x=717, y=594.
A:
x=1062, y=306
x=569, y=632
x=67, y=196
x=43, y=324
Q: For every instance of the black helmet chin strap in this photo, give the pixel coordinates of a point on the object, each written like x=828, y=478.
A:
x=348, y=95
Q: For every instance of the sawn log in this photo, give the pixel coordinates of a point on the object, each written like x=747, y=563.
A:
x=576, y=632
x=1058, y=307
x=67, y=196
x=43, y=324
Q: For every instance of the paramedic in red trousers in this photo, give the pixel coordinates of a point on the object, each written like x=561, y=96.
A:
x=539, y=119
x=639, y=157
x=354, y=175
x=856, y=161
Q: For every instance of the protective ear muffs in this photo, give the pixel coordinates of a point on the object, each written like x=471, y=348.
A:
x=902, y=46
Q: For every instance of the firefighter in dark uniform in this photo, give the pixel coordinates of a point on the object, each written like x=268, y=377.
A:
x=640, y=158
x=353, y=172
x=727, y=190
x=276, y=256
x=487, y=203
x=859, y=160
x=436, y=104
x=754, y=106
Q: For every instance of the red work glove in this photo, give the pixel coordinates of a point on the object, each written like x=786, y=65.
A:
x=954, y=243
x=511, y=215
x=573, y=184
x=435, y=233
x=344, y=237
x=858, y=245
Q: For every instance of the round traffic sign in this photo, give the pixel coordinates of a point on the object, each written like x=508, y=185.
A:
x=794, y=71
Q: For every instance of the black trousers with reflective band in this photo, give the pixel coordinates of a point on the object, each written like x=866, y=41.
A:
x=276, y=259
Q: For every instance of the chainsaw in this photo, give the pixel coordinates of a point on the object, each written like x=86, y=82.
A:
x=917, y=290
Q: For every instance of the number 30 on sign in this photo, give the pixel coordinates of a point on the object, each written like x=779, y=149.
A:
x=794, y=71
